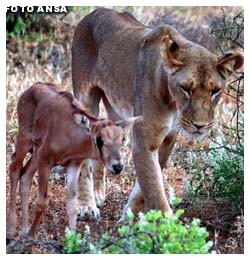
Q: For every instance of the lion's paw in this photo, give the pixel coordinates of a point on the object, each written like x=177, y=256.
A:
x=99, y=198
x=88, y=213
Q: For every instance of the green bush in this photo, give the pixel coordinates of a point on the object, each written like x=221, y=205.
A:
x=154, y=233
x=218, y=175
x=18, y=24
x=73, y=242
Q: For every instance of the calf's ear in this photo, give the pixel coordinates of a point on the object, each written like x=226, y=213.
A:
x=129, y=122
x=229, y=63
x=77, y=106
x=81, y=120
x=67, y=95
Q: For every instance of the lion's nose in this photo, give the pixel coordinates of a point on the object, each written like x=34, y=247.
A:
x=198, y=125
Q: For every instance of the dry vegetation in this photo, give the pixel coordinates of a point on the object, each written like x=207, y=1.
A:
x=46, y=56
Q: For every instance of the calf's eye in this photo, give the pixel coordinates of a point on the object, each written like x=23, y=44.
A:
x=84, y=120
x=186, y=90
x=215, y=91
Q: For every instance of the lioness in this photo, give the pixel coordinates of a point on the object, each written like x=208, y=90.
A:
x=136, y=70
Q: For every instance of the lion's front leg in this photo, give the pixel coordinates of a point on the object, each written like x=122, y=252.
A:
x=99, y=183
x=135, y=202
x=150, y=180
x=148, y=170
x=166, y=148
x=88, y=208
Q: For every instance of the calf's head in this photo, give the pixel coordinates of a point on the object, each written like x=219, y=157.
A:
x=109, y=137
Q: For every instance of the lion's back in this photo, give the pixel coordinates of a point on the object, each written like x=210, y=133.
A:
x=104, y=51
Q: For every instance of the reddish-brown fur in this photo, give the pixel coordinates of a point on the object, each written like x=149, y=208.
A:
x=50, y=128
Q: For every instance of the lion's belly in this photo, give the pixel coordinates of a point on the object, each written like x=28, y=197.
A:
x=114, y=73
x=121, y=106
x=119, y=94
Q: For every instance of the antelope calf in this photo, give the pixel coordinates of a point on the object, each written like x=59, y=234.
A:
x=53, y=127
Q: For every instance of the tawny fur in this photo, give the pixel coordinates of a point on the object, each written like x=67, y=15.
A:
x=153, y=72
x=53, y=126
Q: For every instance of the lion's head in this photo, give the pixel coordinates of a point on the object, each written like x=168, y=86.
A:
x=196, y=80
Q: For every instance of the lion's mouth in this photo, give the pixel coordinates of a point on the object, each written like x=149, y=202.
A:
x=194, y=130
x=194, y=134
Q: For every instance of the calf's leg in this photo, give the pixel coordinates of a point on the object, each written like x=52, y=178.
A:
x=42, y=200
x=15, y=169
x=25, y=185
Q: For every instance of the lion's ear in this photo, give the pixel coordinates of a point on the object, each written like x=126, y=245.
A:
x=172, y=43
x=229, y=63
x=172, y=52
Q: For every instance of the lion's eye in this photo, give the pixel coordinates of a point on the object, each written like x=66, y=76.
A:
x=186, y=90
x=215, y=91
